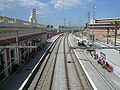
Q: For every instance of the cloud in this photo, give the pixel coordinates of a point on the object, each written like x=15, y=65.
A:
x=29, y=3
x=44, y=8
x=59, y=4
x=6, y=4
x=67, y=4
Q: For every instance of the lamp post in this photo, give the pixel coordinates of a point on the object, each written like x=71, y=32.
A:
x=93, y=24
x=64, y=21
x=88, y=21
x=116, y=27
x=80, y=25
x=88, y=28
x=0, y=12
x=70, y=25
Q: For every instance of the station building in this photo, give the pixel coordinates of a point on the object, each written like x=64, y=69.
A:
x=19, y=41
x=100, y=27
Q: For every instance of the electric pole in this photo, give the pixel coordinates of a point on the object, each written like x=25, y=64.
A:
x=108, y=30
x=116, y=26
x=88, y=20
x=70, y=25
x=64, y=21
x=93, y=23
x=88, y=28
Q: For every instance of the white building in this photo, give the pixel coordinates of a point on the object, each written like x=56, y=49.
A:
x=102, y=24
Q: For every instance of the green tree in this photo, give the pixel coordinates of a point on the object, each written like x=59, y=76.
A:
x=108, y=30
x=116, y=24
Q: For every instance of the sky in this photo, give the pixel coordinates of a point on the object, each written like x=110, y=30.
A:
x=56, y=11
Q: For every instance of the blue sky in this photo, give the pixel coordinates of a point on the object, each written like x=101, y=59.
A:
x=54, y=11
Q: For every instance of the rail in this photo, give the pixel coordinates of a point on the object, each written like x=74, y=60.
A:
x=30, y=77
x=85, y=84
x=46, y=69
x=65, y=62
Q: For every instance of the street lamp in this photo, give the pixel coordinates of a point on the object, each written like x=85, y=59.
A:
x=70, y=25
x=64, y=21
x=0, y=11
x=94, y=8
x=88, y=27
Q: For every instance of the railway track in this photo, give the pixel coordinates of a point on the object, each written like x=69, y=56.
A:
x=48, y=75
x=60, y=70
x=44, y=76
x=60, y=81
x=77, y=79
x=65, y=61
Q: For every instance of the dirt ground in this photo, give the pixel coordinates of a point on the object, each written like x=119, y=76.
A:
x=101, y=35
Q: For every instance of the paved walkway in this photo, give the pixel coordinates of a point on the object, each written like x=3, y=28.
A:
x=95, y=71
x=15, y=81
x=112, y=57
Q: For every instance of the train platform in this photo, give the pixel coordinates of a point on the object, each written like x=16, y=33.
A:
x=100, y=78
x=14, y=81
x=112, y=57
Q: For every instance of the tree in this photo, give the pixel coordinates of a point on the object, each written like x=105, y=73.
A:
x=48, y=26
x=116, y=24
x=51, y=26
x=108, y=30
x=59, y=26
